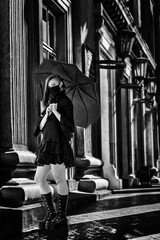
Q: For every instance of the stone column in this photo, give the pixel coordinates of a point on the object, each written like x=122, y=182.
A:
x=8, y=158
x=5, y=94
x=109, y=170
x=149, y=139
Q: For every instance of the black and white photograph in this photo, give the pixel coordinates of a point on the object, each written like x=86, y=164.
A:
x=79, y=119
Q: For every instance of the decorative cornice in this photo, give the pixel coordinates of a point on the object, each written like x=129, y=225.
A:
x=130, y=21
x=115, y=14
x=122, y=18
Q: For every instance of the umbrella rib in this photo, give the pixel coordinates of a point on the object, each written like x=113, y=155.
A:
x=70, y=88
x=84, y=91
x=39, y=73
x=83, y=102
x=74, y=90
x=66, y=72
x=93, y=98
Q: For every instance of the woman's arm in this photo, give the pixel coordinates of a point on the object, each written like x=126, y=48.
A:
x=67, y=119
x=40, y=123
x=65, y=115
x=44, y=119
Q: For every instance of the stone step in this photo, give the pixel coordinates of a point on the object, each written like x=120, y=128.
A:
x=17, y=196
x=23, y=173
x=21, y=191
x=22, y=207
x=13, y=221
x=90, y=183
x=139, y=189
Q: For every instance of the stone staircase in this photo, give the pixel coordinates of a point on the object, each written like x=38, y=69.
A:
x=21, y=206
x=20, y=201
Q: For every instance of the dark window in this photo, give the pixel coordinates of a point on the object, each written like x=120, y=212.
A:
x=49, y=33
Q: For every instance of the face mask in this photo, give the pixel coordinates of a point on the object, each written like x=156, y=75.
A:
x=54, y=93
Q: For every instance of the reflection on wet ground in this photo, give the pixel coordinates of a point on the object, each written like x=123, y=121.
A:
x=126, y=216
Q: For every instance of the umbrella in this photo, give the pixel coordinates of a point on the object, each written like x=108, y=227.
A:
x=79, y=88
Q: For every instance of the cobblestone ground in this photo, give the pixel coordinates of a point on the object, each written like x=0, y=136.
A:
x=125, y=216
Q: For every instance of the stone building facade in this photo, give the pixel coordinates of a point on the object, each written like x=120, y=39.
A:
x=84, y=32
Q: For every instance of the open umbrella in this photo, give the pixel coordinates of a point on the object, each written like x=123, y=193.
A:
x=79, y=88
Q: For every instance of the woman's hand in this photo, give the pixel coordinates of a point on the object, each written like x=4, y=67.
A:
x=54, y=110
x=53, y=107
x=48, y=111
x=44, y=119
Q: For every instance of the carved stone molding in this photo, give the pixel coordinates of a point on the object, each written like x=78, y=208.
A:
x=99, y=21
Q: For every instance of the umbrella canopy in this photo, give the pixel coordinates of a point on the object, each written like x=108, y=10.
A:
x=79, y=88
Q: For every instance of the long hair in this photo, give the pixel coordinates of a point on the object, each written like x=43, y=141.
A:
x=46, y=88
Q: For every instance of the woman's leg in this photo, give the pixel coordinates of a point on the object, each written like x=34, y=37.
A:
x=41, y=178
x=59, y=175
x=58, y=171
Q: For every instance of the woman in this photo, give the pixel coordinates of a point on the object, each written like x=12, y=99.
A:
x=54, y=153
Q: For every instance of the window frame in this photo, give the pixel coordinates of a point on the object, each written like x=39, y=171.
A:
x=47, y=48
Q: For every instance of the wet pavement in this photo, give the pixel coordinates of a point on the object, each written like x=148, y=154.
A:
x=119, y=216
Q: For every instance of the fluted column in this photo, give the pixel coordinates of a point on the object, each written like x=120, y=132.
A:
x=19, y=73
x=8, y=158
x=5, y=74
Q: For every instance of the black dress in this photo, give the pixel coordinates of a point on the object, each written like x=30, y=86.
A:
x=55, y=147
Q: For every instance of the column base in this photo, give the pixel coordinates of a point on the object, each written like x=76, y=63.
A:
x=8, y=162
x=110, y=174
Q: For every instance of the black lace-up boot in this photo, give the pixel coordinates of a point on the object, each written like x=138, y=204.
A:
x=51, y=211
x=61, y=218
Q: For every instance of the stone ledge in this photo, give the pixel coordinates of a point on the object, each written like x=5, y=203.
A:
x=8, y=162
x=9, y=159
x=24, y=172
x=14, y=163
x=91, y=185
x=22, y=191
x=19, y=181
x=88, y=165
x=155, y=180
x=26, y=167
x=91, y=176
x=16, y=196
x=138, y=189
x=26, y=156
x=88, y=161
